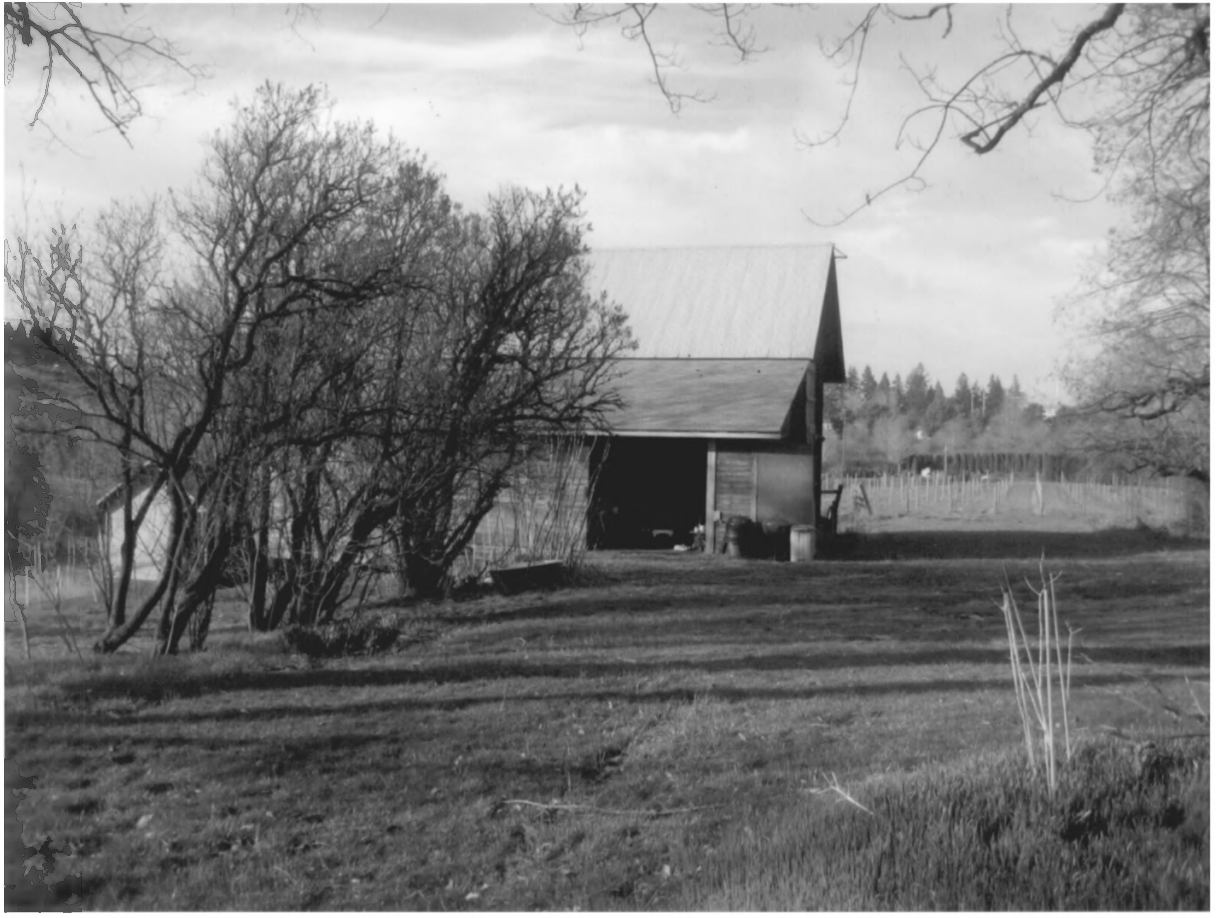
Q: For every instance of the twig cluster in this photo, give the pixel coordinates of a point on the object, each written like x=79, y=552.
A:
x=101, y=59
x=835, y=788
x=1032, y=675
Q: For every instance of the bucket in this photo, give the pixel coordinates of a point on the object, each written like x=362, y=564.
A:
x=802, y=543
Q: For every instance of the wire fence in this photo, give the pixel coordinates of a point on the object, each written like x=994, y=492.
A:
x=1177, y=504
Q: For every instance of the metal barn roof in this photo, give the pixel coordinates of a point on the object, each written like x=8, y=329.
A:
x=750, y=302
x=711, y=398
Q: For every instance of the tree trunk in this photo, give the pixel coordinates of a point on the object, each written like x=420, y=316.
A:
x=118, y=635
x=427, y=580
x=282, y=600
x=199, y=592
x=260, y=574
x=201, y=626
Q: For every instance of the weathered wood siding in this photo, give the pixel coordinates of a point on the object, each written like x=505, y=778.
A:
x=734, y=484
x=743, y=472
x=545, y=505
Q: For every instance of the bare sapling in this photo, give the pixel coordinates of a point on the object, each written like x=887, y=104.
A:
x=1033, y=681
x=549, y=505
x=51, y=588
x=21, y=619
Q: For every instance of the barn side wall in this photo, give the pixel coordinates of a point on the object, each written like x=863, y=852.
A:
x=763, y=481
x=543, y=511
x=735, y=482
x=758, y=479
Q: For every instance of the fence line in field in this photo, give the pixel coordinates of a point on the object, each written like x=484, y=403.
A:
x=1159, y=502
x=905, y=493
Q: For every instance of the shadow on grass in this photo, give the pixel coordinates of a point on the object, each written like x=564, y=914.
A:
x=624, y=694
x=889, y=546
x=799, y=589
x=488, y=671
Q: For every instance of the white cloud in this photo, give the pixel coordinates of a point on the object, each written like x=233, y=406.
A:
x=963, y=276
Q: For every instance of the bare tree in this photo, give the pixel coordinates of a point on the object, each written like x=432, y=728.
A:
x=509, y=349
x=301, y=227
x=1145, y=389
x=160, y=356
x=341, y=380
x=104, y=60
x=316, y=344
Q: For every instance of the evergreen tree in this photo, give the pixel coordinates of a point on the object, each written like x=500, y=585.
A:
x=1034, y=413
x=962, y=396
x=937, y=412
x=852, y=380
x=979, y=398
x=881, y=403
x=916, y=393
x=947, y=405
x=899, y=402
x=995, y=397
x=869, y=385
x=1014, y=395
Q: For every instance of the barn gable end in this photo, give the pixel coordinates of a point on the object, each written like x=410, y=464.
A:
x=722, y=408
x=734, y=347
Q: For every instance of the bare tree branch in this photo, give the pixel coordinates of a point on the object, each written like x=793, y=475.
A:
x=102, y=60
x=857, y=35
x=981, y=140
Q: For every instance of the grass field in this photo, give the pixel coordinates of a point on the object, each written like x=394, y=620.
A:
x=661, y=735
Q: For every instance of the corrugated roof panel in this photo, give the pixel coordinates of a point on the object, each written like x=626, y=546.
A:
x=749, y=302
x=707, y=397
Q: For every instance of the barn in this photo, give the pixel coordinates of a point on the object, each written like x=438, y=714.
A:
x=723, y=398
x=722, y=411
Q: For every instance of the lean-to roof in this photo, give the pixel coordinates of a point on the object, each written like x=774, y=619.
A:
x=709, y=398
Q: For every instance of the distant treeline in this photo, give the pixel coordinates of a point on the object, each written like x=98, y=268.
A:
x=887, y=424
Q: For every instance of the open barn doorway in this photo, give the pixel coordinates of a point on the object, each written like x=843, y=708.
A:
x=649, y=492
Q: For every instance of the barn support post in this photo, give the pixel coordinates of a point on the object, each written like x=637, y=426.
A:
x=711, y=496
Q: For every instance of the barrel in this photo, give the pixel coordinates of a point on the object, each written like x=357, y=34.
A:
x=735, y=535
x=802, y=543
x=777, y=537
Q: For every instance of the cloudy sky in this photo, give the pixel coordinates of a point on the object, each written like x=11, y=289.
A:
x=964, y=276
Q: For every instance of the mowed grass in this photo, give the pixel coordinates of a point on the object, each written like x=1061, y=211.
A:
x=655, y=737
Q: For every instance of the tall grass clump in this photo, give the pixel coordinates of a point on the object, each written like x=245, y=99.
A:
x=1033, y=681
x=983, y=834
x=358, y=635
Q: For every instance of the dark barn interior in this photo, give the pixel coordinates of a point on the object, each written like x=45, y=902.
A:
x=649, y=492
